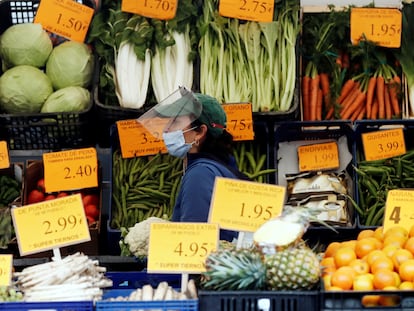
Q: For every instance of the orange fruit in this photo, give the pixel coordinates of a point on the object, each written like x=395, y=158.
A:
x=366, y=233
x=366, y=245
x=399, y=256
x=327, y=265
x=406, y=285
x=350, y=244
x=409, y=245
x=332, y=248
x=343, y=278
x=390, y=249
x=396, y=230
x=363, y=282
x=383, y=278
x=406, y=270
x=381, y=263
x=398, y=240
x=370, y=300
x=359, y=265
x=343, y=256
x=411, y=231
x=375, y=254
x=379, y=233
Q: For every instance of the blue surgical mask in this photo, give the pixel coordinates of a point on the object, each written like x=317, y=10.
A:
x=175, y=143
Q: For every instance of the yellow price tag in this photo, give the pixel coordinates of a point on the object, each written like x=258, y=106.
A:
x=315, y=157
x=4, y=155
x=244, y=205
x=383, y=144
x=159, y=9
x=70, y=169
x=239, y=120
x=66, y=18
x=50, y=224
x=136, y=141
x=181, y=247
x=398, y=209
x=259, y=11
x=381, y=25
x=6, y=264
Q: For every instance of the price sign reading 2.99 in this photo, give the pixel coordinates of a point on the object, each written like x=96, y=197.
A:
x=50, y=224
x=181, y=247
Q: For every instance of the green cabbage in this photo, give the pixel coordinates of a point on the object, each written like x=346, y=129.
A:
x=71, y=63
x=24, y=89
x=25, y=44
x=68, y=99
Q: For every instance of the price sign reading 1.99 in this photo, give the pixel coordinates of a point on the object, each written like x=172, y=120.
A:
x=253, y=10
x=70, y=169
x=181, y=247
x=66, y=18
x=398, y=209
x=239, y=121
x=244, y=205
x=318, y=156
x=383, y=144
x=50, y=224
x=159, y=9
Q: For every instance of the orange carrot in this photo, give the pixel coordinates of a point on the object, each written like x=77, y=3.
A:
x=319, y=104
x=387, y=103
x=379, y=92
x=394, y=90
x=370, y=94
x=346, y=89
x=325, y=86
x=330, y=113
x=305, y=97
x=374, y=110
x=348, y=100
x=362, y=113
x=355, y=105
x=314, y=86
x=358, y=113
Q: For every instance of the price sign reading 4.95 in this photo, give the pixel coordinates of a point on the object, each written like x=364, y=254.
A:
x=253, y=10
x=4, y=155
x=244, y=205
x=239, y=121
x=70, y=169
x=399, y=209
x=50, y=224
x=159, y=9
x=6, y=264
x=66, y=18
x=383, y=144
x=181, y=247
x=380, y=25
x=318, y=156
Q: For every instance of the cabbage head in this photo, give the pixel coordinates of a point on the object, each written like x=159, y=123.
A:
x=68, y=99
x=25, y=44
x=24, y=89
x=71, y=63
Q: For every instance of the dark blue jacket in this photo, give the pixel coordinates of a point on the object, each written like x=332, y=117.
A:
x=193, y=201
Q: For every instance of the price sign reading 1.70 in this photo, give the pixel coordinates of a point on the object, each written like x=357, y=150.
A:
x=254, y=10
x=159, y=9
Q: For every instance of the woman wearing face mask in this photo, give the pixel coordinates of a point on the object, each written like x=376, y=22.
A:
x=197, y=133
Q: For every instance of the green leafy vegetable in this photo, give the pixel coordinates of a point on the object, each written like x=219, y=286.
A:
x=68, y=99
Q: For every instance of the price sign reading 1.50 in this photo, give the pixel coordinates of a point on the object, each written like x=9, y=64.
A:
x=160, y=9
x=254, y=10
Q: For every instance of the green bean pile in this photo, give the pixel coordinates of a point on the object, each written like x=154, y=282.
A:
x=143, y=187
x=375, y=178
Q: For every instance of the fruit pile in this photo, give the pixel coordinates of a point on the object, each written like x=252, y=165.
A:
x=90, y=199
x=375, y=260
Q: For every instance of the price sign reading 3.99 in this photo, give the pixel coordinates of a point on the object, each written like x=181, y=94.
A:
x=66, y=18
x=383, y=144
x=181, y=247
x=50, y=224
x=159, y=9
x=70, y=169
x=253, y=10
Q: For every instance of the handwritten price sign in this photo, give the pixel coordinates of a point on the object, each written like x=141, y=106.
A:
x=253, y=10
x=159, y=9
x=50, y=224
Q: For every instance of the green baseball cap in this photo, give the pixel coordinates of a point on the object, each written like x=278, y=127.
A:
x=212, y=114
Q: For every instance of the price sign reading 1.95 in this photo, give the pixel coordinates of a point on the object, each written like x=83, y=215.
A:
x=50, y=224
x=66, y=18
x=4, y=155
x=159, y=9
x=6, y=264
x=136, y=141
x=253, y=10
x=318, y=156
x=383, y=144
x=398, y=209
x=380, y=25
x=70, y=169
x=251, y=203
x=239, y=120
x=181, y=247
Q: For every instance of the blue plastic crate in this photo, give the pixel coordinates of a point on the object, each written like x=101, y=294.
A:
x=48, y=306
x=166, y=305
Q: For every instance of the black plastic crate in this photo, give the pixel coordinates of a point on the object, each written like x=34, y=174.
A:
x=258, y=300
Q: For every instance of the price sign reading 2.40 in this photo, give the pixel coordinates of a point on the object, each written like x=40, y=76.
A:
x=159, y=9
x=181, y=247
x=70, y=169
x=50, y=224
x=259, y=11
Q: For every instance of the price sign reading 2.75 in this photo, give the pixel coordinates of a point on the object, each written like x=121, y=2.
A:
x=239, y=120
x=70, y=169
x=159, y=9
x=181, y=247
x=254, y=10
x=50, y=224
